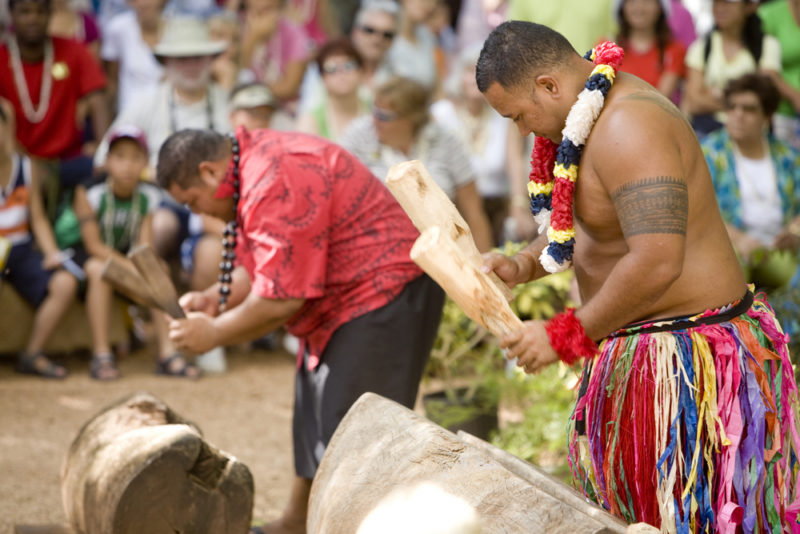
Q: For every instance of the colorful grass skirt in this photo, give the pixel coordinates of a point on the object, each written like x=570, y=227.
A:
x=689, y=424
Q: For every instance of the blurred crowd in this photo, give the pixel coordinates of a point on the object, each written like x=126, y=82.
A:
x=90, y=89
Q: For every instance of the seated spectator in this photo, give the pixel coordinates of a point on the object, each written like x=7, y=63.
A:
x=756, y=177
x=736, y=46
x=252, y=106
x=400, y=130
x=342, y=73
x=127, y=51
x=52, y=83
x=275, y=51
x=374, y=29
x=413, y=52
x=71, y=23
x=114, y=217
x=467, y=115
x=224, y=27
x=781, y=19
x=651, y=52
x=187, y=98
x=23, y=226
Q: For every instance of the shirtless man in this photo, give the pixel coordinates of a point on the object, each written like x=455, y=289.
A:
x=665, y=409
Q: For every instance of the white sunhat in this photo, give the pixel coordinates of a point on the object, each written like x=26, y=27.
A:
x=187, y=37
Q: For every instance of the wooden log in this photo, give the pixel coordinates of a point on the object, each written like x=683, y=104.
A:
x=428, y=205
x=162, y=291
x=381, y=446
x=139, y=467
x=539, y=479
x=465, y=283
x=123, y=277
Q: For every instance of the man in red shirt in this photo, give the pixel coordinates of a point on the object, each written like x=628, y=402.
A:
x=47, y=80
x=320, y=246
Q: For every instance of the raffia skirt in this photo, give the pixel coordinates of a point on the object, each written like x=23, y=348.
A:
x=690, y=424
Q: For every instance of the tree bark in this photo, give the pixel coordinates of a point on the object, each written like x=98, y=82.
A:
x=139, y=467
x=381, y=446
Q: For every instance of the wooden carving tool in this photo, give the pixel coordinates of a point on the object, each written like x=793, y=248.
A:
x=483, y=302
x=162, y=291
x=428, y=205
x=123, y=276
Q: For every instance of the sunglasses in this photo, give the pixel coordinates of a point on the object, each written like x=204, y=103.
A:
x=384, y=115
x=333, y=68
x=369, y=30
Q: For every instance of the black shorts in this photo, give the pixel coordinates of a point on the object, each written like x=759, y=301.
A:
x=383, y=351
x=25, y=273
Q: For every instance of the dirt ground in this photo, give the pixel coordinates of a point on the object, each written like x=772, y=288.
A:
x=245, y=412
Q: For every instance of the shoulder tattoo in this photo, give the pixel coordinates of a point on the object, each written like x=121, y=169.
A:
x=658, y=205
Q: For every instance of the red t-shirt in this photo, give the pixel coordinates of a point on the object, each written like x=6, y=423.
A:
x=316, y=224
x=75, y=73
x=647, y=65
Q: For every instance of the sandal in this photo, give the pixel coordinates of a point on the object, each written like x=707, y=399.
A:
x=177, y=366
x=40, y=365
x=103, y=367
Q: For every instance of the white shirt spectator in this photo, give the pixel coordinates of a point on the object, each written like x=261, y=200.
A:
x=443, y=155
x=139, y=71
x=159, y=113
x=488, y=154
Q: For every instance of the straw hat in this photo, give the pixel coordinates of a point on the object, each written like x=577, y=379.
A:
x=187, y=37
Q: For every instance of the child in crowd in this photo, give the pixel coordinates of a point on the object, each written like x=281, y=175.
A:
x=38, y=279
x=115, y=216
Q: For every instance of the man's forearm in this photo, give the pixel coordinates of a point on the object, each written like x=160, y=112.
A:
x=253, y=318
x=528, y=259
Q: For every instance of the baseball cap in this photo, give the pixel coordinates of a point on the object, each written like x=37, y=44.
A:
x=128, y=132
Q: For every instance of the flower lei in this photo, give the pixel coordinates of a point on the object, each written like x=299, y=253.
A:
x=555, y=167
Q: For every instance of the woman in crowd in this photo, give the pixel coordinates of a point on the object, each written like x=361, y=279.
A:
x=341, y=68
x=413, y=52
x=651, y=52
x=736, y=46
x=466, y=115
x=399, y=130
x=275, y=51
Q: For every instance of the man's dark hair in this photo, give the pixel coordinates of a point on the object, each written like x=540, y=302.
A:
x=762, y=86
x=12, y=3
x=183, y=152
x=518, y=51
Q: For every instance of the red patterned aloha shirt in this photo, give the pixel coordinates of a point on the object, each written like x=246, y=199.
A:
x=316, y=224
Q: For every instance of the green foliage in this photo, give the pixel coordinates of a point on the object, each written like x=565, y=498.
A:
x=467, y=361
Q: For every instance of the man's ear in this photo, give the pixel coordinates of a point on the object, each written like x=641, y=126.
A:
x=548, y=84
x=209, y=174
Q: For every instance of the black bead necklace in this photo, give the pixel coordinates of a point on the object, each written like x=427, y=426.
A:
x=229, y=235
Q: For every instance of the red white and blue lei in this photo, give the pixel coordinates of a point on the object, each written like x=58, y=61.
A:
x=555, y=167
